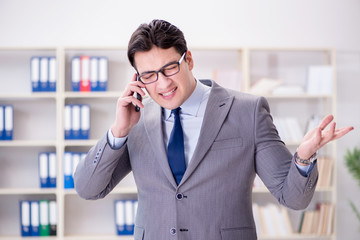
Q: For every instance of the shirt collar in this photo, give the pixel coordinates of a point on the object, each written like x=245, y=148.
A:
x=192, y=104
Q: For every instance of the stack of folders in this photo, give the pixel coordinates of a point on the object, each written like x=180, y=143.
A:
x=38, y=218
x=47, y=169
x=125, y=212
x=89, y=73
x=77, y=121
x=71, y=161
x=6, y=122
x=43, y=74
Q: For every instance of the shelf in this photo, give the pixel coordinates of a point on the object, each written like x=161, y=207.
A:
x=27, y=143
x=100, y=237
x=297, y=96
x=80, y=143
x=28, y=96
x=122, y=190
x=295, y=236
x=27, y=191
x=22, y=238
x=318, y=189
x=22, y=154
x=114, y=94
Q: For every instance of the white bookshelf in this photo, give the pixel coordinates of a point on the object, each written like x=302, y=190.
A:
x=39, y=126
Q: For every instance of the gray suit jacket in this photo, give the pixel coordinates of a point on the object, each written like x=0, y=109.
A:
x=214, y=199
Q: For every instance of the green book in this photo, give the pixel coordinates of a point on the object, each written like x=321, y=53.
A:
x=44, y=218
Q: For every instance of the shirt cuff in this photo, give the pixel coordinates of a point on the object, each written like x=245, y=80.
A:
x=115, y=143
x=305, y=170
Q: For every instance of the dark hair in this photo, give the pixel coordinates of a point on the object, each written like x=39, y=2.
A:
x=157, y=33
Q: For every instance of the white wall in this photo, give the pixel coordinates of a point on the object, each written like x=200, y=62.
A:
x=293, y=23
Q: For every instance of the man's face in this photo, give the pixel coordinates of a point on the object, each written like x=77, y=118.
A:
x=168, y=92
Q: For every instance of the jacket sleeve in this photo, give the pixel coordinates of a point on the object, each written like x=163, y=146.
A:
x=101, y=170
x=276, y=166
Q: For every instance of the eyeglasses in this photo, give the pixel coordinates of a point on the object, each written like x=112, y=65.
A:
x=168, y=70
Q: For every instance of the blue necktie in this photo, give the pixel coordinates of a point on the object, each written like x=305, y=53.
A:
x=175, y=150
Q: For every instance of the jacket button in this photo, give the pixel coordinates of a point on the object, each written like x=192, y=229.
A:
x=172, y=231
x=179, y=196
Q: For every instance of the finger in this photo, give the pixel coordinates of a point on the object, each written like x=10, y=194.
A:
x=326, y=121
x=342, y=131
x=126, y=101
x=131, y=89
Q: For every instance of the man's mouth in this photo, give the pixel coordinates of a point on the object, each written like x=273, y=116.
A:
x=169, y=93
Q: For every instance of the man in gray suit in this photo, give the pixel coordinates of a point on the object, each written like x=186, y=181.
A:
x=201, y=187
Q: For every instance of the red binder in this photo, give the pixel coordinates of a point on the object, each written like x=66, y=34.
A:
x=85, y=74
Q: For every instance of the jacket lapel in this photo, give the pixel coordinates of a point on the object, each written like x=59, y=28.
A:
x=217, y=109
x=153, y=126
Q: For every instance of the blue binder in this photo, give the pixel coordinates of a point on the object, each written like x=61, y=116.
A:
x=51, y=86
x=75, y=74
x=103, y=74
x=25, y=218
x=94, y=73
x=35, y=73
x=43, y=169
x=75, y=121
x=35, y=218
x=2, y=123
x=119, y=206
x=85, y=121
x=44, y=73
x=68, y=171
x=8, y=122
x=129, y=217
x=67, y=122
x=52, y=170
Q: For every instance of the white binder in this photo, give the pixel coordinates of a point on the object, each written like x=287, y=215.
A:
x=35, y=73
x=35, y=218
x=75, y=73
x=85, y=122
x=75, y=124
x=103, y=73
x=2, y=123
x=67, y=122
x=94, y=73
x=44, y=73
x=43, y=170
x=68, y=165
x=25, y=218
x=9, y=122
x=52, y=74
x=52, y=170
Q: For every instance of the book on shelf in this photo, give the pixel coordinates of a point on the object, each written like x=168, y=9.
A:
x=265, y=86
x=318, y=221
x=89, y=73
x=325, y=168
x=125, y=212
x=47, y=169
x=231, y=79
x=77, y=121
x=288, y=90
x=6, y=122
x=320, y=79
x=43, y=72
x=272, y=220
x=288, y=128
x=38, y=217
x=71, y=160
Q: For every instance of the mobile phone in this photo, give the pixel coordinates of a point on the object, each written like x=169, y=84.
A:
x=138, y=96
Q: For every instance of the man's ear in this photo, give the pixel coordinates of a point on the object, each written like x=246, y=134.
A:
x=189, y=60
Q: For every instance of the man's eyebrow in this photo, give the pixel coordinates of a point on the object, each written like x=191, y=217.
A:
x=151, y=71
